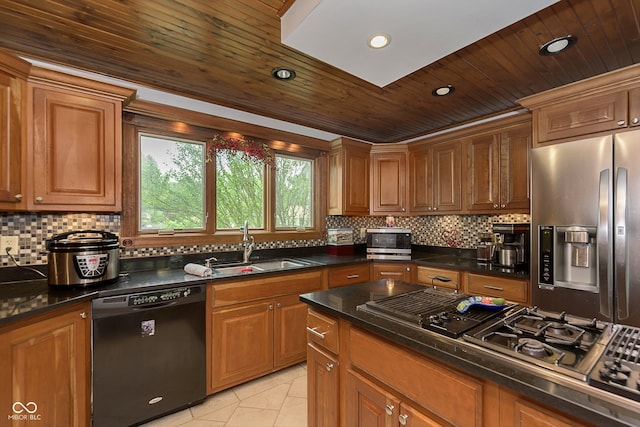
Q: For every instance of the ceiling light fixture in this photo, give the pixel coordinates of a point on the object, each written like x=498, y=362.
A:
x=557, y=45
x=282, y=73
x=378, y=41
x=443, y=90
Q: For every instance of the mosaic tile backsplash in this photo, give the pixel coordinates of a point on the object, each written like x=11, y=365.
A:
x=34, y=229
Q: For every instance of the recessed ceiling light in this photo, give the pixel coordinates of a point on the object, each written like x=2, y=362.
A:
x=282, y=73
x=557, y=45
x=443, y=90
x=378, y=41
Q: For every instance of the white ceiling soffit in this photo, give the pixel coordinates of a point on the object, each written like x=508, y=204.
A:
x=422, y=31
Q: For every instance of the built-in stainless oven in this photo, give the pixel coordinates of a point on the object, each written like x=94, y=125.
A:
x=389, y=243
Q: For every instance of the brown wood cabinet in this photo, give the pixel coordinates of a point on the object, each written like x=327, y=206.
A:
x=516, y=410
x=323, y=374
x=389, y=178
x=13, y=130
x=434, y=277
x=74, y=150
x=497, y=167
x=46, y=360
x=510, y=289
x=257, y=326
x=348, y=274
x=602, y=103
x=391, y=270
x=435, y=178
x=367, y=404
x=348, y=170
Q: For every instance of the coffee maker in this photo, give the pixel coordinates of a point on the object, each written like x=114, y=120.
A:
x=512, y=250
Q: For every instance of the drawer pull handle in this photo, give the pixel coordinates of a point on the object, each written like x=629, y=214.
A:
x=495, y=288
x=353, y=276
x=316, y=333
x=389, y=409
x=390, y=273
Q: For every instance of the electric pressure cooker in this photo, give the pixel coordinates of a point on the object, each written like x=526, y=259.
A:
x=83, y=258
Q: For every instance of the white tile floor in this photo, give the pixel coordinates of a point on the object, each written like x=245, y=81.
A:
x=277, y=400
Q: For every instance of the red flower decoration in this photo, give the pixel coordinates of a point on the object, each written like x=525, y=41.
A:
x=249, y=150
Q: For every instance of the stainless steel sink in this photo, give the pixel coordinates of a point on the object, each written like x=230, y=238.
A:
x=278, y=264
x=261, y=266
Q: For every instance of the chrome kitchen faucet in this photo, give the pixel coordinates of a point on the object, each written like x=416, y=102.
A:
x=248, y=242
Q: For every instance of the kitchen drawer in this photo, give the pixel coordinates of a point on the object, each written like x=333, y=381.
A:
x=348, y=274
x=322, y=330
x=425, y=276
x=510, y=289
x=398, y=271
x=243, y=289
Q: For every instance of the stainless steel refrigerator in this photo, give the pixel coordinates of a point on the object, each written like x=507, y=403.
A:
x=585, y=227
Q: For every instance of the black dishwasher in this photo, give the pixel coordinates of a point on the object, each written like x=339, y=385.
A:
x=149, y=355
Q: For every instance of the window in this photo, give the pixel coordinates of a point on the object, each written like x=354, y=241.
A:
x=239, y=192
x=172, y=196
x=171, y=190
x=294, y=192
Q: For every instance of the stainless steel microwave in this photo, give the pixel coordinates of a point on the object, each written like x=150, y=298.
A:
x=389, y=243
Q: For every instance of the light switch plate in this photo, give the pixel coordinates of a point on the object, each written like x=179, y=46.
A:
x=9, y=242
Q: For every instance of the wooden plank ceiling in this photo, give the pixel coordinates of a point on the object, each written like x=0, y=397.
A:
x=223, y=51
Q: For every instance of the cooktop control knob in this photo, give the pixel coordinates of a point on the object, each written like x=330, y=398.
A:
x=615, y=372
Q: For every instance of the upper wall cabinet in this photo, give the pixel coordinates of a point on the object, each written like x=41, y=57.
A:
x=497, y=165
x=348, y=169
x=389, y=178
x=436, y=178
x=74, y=150
x=13, y=130
x=599, y=104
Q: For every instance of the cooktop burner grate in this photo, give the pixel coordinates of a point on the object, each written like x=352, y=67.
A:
x=432, y=309
x=416, y=305
x=625, y=345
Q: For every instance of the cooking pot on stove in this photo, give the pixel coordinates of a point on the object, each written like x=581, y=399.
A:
x=82, y=258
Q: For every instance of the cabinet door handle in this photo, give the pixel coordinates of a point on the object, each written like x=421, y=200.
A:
x=353, y=276
x=502, y=206
x=279, y=305
x=38, y=199
x=389, y=409
x=329, y=366
x=621, y=123
x=316, y=333
x=18, y=197
x=495, y=288
x=402, y=419
x=635, y=120
x=270, y=307
x=83, y=315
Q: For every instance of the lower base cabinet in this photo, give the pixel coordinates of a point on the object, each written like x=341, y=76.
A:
x=257, y=326
x=366, y=405
x=45, y=370
x=322, y=388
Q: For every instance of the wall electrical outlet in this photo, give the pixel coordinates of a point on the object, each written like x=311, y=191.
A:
x=9, y=242
x=363, y=233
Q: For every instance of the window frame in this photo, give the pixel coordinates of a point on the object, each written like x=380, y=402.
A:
x=135, y=124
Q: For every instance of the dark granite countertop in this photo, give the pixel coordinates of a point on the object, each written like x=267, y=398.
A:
x=565, y=394
x=27, y=296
